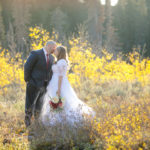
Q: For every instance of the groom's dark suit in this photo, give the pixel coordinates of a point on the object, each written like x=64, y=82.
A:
x=37, y=75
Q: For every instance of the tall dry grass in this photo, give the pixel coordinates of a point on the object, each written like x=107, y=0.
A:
x=118, y=91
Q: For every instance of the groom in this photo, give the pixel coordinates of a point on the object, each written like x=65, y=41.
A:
x=37, y=74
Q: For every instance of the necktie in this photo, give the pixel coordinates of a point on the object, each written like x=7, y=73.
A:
x=47, y=60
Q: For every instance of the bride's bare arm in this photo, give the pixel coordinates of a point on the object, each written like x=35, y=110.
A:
x=59, y=85
x=61, y=74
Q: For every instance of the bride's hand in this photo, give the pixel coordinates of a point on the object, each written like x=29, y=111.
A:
x=58, y=93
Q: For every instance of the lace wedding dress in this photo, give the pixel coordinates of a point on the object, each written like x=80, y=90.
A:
x=73, y=110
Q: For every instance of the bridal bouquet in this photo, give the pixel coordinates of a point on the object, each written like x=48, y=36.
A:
x=56, y=103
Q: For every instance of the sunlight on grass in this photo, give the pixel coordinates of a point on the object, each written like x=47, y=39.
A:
x=118, y=91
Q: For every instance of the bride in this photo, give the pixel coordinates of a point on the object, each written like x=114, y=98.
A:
x=59, y=86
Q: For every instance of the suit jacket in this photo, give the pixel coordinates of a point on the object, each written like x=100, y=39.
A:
x=35, y=70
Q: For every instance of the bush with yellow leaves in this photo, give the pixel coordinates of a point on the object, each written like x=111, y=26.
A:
x=86, y=65
x=40, y=36
x=118, y=91
x=11, y=71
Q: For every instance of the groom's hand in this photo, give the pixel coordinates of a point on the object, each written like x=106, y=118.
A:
x=29, y=64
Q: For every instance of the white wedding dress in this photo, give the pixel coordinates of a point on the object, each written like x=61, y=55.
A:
x=74, y=109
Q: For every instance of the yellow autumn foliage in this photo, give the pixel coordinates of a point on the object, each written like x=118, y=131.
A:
x=40, y=36
x=11, y=70
x=124, y=127
x=85, y=64
x=125, y=130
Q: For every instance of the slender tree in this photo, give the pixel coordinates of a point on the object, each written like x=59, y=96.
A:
x=95, y=21
x=148, y=28
x=130, y=20
x=110, y=36
x=21, y=16
x=59, y=21
x=2, y=29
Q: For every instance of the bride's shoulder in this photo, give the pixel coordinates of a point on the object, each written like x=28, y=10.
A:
x=61, y=61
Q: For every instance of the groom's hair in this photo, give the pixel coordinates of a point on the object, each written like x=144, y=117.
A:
x=51, y=43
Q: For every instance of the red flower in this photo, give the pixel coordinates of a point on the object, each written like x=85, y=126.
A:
x=55, y=105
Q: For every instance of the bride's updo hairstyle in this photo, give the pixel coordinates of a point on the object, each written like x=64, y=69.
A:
x=62, y=53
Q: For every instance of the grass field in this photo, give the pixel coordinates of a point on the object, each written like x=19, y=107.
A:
x=118, y=91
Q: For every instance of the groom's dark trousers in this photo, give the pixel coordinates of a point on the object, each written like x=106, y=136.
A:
x=37, y=75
